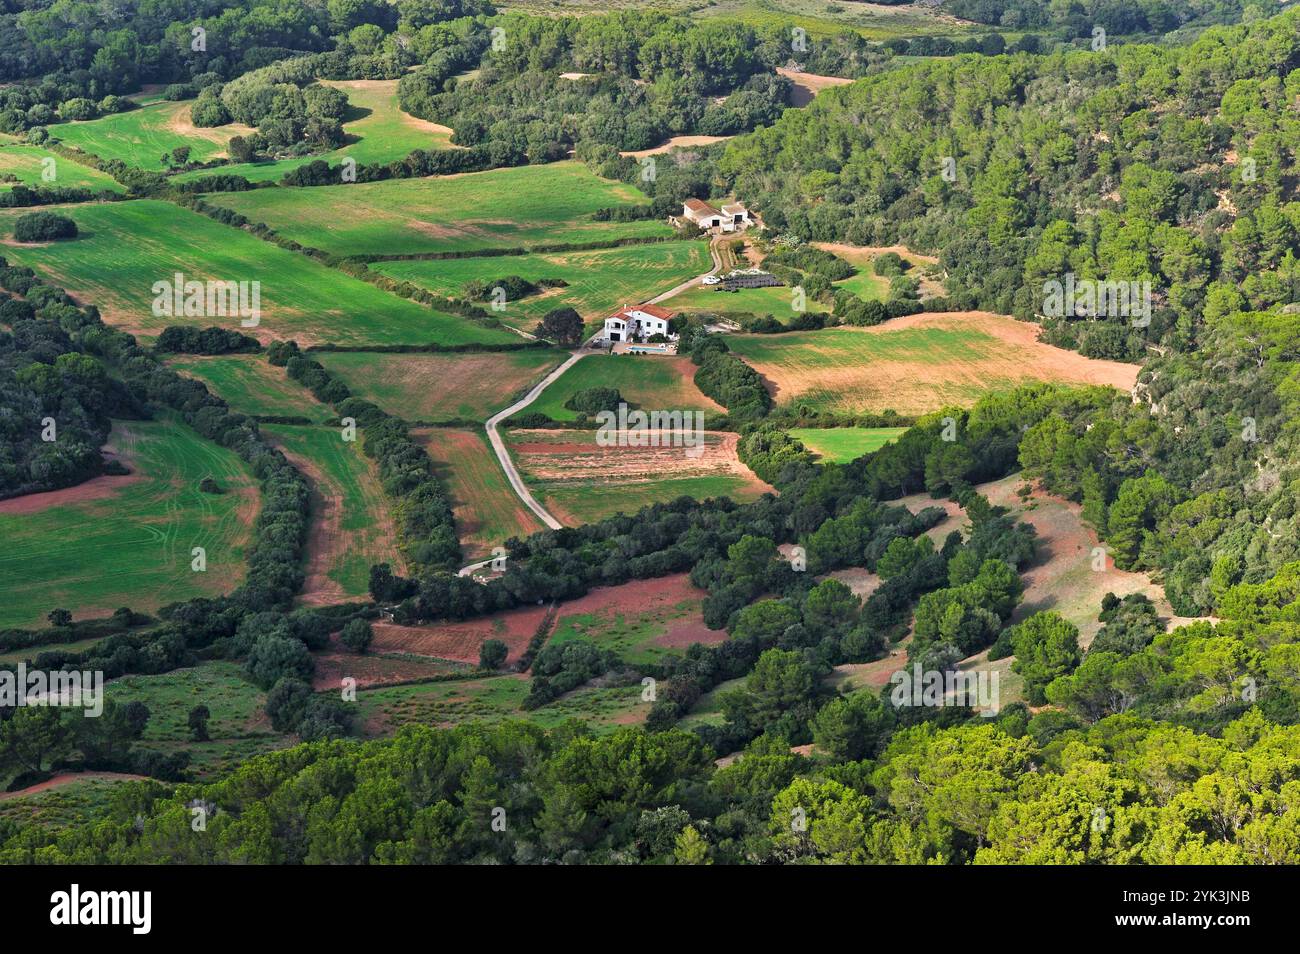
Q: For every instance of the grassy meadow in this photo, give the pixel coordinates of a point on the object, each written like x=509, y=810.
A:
x=140, y=137
x=598, y=282
x=434, y=388
x=130, y=545
x=523, y=206
x=497, y=698
x=125, y=247
x=650, y=382
x=252, y=385
x=237, y=727
x=351, y=526
x=27, y=164
x=916, y=364
x=777, y=301
x=80, y=801
x=635, y=637
x=376, y=128
x=820, y=18
x=486, y=508
x=839, y=445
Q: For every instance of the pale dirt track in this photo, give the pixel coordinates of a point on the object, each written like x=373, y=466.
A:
x=503, y=455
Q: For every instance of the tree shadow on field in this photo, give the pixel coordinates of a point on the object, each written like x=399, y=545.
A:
x=1043, y=556
x=354, y=113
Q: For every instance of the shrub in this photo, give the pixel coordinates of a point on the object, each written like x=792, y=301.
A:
x=492, y=654
x=357, y=635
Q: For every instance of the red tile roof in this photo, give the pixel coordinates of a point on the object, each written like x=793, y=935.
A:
x=695, y=205
x=654, y=311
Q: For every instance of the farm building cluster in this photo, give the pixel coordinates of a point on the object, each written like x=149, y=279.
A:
x=733, y=217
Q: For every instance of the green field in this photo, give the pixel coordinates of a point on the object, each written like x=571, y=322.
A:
x=487, y=510
x=827, y=17
x=376, y=128
x=252, y=385
x=866, y=286
x=599, y=282
x=840, y=445
x=577, y=503
x=819, y=18
x=131, y=545
x=236, y=724
x=28, y=165
x=140, y=137
x=434, y=388
x=524, y=206
x=351, y=529
x=708, y=710
x=633, y=638
x=777, y=301
x=497, y=698
x=649, y=382
x=125, y=247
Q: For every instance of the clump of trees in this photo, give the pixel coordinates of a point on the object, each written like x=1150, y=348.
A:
x=563, y=325
x=594, y=400
x=727, y=379
x=560, y=667
x=187, y=339
x=44, y=227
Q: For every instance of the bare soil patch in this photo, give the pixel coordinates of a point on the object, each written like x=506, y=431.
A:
x=1062, y=577
x=180, y=123
x=685, y=634
x=808, y=85
x=560, y=459
x=373, y=669
x=676, y=142
x=64, y=778
x=460, y=641
x=97, y=488
x=865, y=253
x=955, y=517
x=325, y=538
x=861, y=581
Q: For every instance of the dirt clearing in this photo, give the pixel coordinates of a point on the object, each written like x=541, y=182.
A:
x=677, y=142
x=808, y=85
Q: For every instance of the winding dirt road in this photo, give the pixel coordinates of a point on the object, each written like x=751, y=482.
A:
x=499, y=445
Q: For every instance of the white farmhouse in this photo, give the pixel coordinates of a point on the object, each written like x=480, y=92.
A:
x=637, y=323
x=735, y=216
x=732, y=217
x=701, y=213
